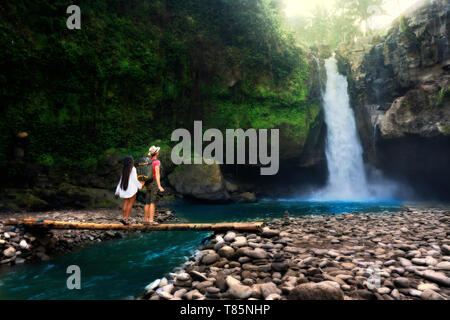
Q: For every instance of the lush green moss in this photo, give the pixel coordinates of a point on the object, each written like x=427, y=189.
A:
x=137, y=70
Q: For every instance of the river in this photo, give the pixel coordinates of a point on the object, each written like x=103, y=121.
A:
x=120, y=269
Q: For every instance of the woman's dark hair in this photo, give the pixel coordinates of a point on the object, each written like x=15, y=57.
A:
x=128, y=164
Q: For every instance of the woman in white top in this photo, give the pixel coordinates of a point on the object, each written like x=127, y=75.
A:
x=128, y=187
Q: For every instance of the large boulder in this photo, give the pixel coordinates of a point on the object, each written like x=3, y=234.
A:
x=200, y=181
x=423, y=111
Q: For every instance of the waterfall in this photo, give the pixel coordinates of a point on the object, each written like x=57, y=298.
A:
x=347, y=178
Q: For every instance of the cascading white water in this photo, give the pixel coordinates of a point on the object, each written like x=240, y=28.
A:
x=347, y=178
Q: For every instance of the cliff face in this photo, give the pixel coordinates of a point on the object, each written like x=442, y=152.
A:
x=399, y=86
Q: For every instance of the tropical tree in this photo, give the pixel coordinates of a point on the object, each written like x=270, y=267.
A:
x=361, y=10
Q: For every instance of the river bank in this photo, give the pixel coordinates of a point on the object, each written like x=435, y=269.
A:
x=385, y=256
x=18, y=245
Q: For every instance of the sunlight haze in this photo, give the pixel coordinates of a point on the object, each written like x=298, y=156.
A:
x=393, y=8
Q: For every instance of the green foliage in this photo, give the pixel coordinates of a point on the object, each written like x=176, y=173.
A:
x=137, y=70
x=46, y=160
x=444, y=93
x=332, y=25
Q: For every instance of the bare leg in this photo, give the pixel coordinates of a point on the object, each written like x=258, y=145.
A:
x=152, y=211
x=147, y=212
x=125, y=208
x=130, y=206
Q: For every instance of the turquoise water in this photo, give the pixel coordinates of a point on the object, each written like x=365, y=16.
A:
x=270, y=209
x=120, y=269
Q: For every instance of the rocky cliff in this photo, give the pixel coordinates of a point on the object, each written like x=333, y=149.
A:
x=399, y=86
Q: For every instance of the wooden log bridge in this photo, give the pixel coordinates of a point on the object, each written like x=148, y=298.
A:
x=216, y=227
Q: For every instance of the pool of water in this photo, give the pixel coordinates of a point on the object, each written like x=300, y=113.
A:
x=270, y=209
x=120, y=269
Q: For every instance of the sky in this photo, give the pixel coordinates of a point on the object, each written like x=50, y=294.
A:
x=393, y=8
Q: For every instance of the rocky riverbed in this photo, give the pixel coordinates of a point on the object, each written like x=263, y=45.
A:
x=19, y=245
x=385, y=256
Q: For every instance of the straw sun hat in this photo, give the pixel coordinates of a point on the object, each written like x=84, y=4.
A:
x=153, y=150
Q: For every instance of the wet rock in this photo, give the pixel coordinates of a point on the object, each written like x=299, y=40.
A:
x=325, y=290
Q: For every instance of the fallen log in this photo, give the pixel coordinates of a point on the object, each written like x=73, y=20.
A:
x=216, y=227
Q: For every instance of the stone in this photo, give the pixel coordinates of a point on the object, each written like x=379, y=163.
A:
x=364, y=294
x=197, y=276
x=180, y=293
x=269, y=233
x=256, y=253
x=165, y=295
x=428, y=286
x=153, y=285
x=238, y=290
x=396, y=294
x=429, y=294
x=414, y=292
x=438, y=277
x=445, y=248
x=10, y=252
x=404, y=262
x=444, y=265
x=210, y=258
x=401, y=282
x=183, y=277
x=220, y=281
x=419, y=261
x=200, y=181
x=273, y=296
x=268, y=288
x=280, y=266
x=229, y=237
x=245, y=197
x=193, y=295
x=383, y=290
x=23, y=244
x=240, y=242
x=226, y=252
x=325, y=290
